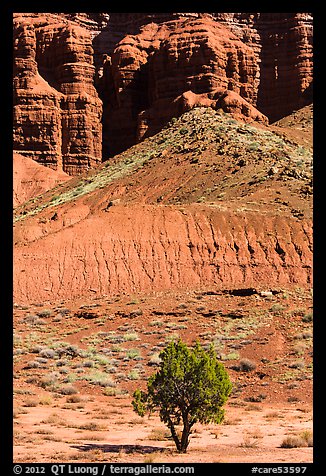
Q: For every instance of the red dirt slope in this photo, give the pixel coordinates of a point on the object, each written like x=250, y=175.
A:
x=207, y=201
x=32, y=179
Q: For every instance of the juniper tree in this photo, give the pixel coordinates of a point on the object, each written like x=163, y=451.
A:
x=191, y=386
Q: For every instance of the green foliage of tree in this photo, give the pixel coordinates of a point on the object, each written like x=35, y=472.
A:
x=191, y=386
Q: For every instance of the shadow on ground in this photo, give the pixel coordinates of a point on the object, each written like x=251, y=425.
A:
x=123, y=448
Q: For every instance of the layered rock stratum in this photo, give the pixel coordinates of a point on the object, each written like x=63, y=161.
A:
x=130, y=73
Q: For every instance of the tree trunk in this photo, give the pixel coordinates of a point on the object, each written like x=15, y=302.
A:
x=185, y=437
x=175, y=436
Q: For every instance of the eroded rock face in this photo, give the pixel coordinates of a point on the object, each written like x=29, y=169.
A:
x=148, y=68
x=250, y=65
x=283, y=46
x=149, y=249
x=154, y=73
x=57, y=111
x=37, y=111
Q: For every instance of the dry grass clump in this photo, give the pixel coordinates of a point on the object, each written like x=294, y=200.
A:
x=249, y=442
x=46, y=400
x=245, y=365
x=30, y=402
x=54, y=419
x=90, y=426
x=155, y=359
x=273, y=415
x=308, y=317
x=113, y=392
x=74, y=399
x=67, y=389
x=94, y=437
x=158, y=434
x=153, y=457
x=304, y=439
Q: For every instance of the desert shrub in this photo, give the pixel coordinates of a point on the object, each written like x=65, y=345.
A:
x=307, y=436
x=31, y=319
x=46, y=400
x=246, y=365
x=33, y=380
x=45, y=313
x=134, y=375
x=308, y=317
x=48, y=353
x=116, y=348
x=61, y=363
x=304, y=335
x=157, y=323
x=249, y=442
x=67, y=350
x=293, y=399
x=67, y=390
x=91, y=426
x=101, y=359
x=129, y=336
x=159, y=434
x=175, y=325
x=253, y=146
x=74, y=398
x=32, y=364
x=49, y=381
x=230, y=356
x=299, y=348
x=135, y=313
x=100, y=378
x=112, y=392
x=30, y=402
x=155, y=359
x=277, y=308
x=132, y=354
x=70, y=377
x=296, y=365
x=41, y=360
x=88, y=363
x=256, y=398
x=53, y=419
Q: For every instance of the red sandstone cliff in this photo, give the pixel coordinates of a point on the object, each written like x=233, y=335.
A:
x=283, y=46
x=147, y=68
x=254, y=61
x=57, y=111
x=151, y=76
